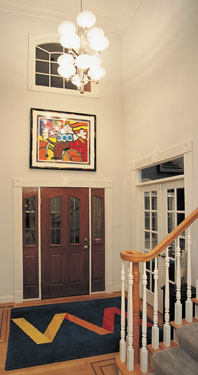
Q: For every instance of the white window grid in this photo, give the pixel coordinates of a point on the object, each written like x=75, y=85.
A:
x=35, y=41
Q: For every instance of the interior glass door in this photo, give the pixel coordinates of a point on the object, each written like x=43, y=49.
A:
x=163, y=210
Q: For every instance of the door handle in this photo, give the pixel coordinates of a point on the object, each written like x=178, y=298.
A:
x=85, y=247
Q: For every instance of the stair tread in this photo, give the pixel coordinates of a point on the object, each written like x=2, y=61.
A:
x=161, y=347
x=188, y=339
x=184, y=322
x=173, y=361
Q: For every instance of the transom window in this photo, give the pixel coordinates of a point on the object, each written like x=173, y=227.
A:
x=46, y=73
x=43, y=75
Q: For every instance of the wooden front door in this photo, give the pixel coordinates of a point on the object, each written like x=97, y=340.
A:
x=64, y=242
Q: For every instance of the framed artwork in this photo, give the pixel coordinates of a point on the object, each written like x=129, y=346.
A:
x=62, y=140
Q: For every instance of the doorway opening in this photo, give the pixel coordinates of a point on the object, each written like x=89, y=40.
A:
x=72, y=242
x=163, y=208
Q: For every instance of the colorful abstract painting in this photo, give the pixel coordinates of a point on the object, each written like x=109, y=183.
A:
x=62, y=140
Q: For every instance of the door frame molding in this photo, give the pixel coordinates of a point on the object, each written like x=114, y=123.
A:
x=18, y=185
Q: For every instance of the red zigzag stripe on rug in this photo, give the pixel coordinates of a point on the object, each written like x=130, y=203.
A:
x=109, y=316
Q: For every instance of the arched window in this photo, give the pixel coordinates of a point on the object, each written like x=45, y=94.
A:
x=44, y=51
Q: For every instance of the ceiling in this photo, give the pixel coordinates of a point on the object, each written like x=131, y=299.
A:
x=113, y=15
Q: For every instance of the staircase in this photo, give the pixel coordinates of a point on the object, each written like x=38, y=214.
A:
x=178, y=357
x=181, y=360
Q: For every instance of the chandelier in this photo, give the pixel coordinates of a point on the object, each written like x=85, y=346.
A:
x=84, y=44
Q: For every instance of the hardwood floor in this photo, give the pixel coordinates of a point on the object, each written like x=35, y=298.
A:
x=99, y=365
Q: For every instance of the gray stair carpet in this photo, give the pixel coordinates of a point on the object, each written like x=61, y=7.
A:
x=182, y=360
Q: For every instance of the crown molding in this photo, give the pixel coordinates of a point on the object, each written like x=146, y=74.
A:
x=115, y=22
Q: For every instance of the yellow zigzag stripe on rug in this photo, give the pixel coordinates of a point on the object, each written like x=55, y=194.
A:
x=52, y=329
x=37, y=336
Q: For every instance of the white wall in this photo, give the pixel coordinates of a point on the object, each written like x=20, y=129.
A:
x=160, y=75
x=16, y=101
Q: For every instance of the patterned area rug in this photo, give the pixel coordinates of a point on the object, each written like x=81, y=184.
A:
x=54, y=333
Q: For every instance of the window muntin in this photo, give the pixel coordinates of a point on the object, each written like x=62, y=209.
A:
x=46, y=66
x=53, y=83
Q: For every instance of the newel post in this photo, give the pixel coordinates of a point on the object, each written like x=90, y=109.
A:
x=136, y=311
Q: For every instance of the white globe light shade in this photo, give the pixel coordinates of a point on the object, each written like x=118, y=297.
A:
x=66, y=27
x=95, y=61
x=99, y=43
x=65, y=59
x=66, y=71
x=70, y=41
x=96, y=73
x=86, y=19
x=95, y=32
x=83, y=61
x=76, y=80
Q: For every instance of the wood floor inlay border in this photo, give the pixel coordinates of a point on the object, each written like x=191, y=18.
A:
x=4, y=323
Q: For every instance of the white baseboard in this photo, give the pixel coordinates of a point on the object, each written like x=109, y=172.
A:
x=109, y=287
x=7, y=299
x=117, y=288
x=18, y=296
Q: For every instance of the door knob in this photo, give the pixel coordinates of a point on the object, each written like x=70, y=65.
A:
x=85, y=247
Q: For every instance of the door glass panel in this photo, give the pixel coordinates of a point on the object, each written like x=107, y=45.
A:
x=55, y=220
x=171, y=200
x=74, y=220
x=147, y=201
x=147, y=220
x=180, y=218
x=180, y=200
x=30, y=221
x=171, y=222
x=154, y=200
x=175, y=215
x=154, y=240
x=147, y=240
x=154, y=221
x=97, y=219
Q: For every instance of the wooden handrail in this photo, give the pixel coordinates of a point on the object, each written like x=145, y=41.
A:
x=137, y=256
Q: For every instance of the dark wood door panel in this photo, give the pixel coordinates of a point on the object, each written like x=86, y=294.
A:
x=65, y=225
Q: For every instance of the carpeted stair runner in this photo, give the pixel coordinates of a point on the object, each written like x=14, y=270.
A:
x=182, y=360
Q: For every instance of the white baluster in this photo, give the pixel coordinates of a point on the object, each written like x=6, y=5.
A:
x=196, y=306
x=178, y=305
x=155, y=328
x=130, y=350
x=122, y=341
x=166, y=327
x=188, y=303
x=144, y=351
x=127, y=330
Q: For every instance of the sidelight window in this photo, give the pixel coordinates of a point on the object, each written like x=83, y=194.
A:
x=97, y=219
x=30, y=221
